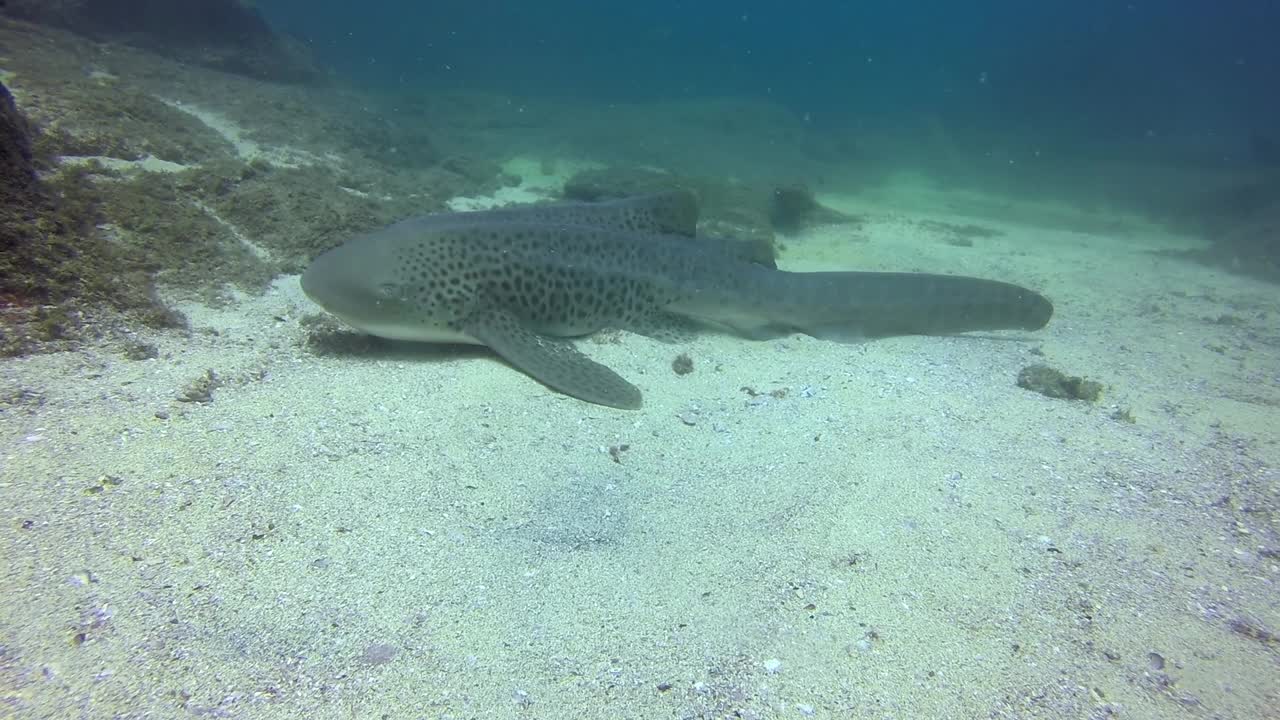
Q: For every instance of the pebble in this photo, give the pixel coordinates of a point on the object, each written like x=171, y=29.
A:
x=1155, y=661
x=522, y=698
x=379, y=654
x=772, y=665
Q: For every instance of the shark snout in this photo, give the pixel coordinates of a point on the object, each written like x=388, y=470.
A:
x=345, y=281
x=1039, y=310
x=321, y=278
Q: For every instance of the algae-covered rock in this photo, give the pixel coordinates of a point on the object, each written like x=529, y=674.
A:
x=621, y=182
x=176, y=237
x=726, y=209
x=118, y=176
x=1056, y=384
x=108, y=120
x=55, y=264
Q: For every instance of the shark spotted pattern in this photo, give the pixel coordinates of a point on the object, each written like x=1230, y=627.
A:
x=521, y=280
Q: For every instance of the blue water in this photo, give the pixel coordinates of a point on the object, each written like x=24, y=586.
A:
x=262, y=514
x=1074, y=70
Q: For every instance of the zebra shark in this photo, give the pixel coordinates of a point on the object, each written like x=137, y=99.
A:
x=522, y=280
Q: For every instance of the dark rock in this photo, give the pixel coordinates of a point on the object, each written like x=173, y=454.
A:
x=682, y=364
x=1250, y=245
x=726, y=210
x=1241, y=223
x=22, y=204
x=739, y=219
x=17, y=171
x=225, y=34
x=619, y=182
x=790, y=207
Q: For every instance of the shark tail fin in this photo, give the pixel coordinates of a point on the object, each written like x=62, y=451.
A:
x=852, y=306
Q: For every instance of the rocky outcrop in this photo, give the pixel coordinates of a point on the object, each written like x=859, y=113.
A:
x=17, y=173
x=734, y=210
x=1240, y=222
x=54, y=264
x=727, y=210
x=228, y=35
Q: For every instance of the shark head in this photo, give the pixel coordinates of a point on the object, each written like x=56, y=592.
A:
x=361, y=282
x=421, y=278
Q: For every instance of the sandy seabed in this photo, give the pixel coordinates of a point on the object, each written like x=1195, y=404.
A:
x=796, y=528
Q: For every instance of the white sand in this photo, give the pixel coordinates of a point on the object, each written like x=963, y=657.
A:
x=903, y=534
x=149, y=163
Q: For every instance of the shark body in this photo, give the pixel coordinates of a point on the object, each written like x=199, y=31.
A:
x=522, y=280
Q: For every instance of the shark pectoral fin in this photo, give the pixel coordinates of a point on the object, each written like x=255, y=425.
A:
x=554, y=363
